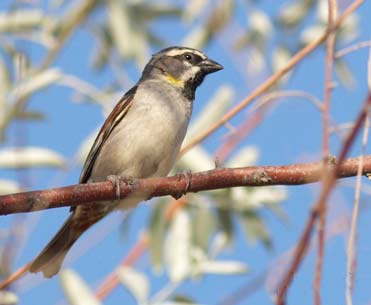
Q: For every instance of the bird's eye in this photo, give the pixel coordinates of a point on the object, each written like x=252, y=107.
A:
x=188, y=56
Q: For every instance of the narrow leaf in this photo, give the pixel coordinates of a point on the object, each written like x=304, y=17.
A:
x=21, y=20
x=177, y=247
x=225, y=221
x=246, y=156
x=36, y=83
x=8, y=298
x=8, y=187
x=214, y=110
x=136, y=282
x=119, y=26
x=223, y=267
x=203, y=225
x=197, y=159
x=255, y=228
x=26, y=157
x=76, y=290
x=157, y=227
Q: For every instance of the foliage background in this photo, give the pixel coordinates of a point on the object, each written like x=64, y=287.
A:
x=56, y=103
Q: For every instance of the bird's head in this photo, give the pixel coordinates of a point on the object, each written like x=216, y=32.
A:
x=182, y=67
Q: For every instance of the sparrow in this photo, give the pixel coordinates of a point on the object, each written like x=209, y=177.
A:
x=140, y=138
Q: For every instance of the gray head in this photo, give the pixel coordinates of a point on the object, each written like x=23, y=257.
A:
x=183, y=67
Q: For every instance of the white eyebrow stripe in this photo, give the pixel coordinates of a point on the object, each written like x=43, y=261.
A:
x=176, y=52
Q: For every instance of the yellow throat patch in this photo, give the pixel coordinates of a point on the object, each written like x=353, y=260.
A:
x=174, y=81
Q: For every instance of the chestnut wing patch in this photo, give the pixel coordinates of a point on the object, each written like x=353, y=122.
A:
x=117, y=114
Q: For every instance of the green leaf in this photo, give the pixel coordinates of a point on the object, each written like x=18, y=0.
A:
x=149, y=11
x=156, y=233
x=76, y=290
x=30, y=115
x=260, y=24
x=36, y=82
x=120, y=27
x=8, y=298
x=197, y=159
x=292, y=14
x=85, y=147
x=344, y=73
x=197, y=38
x=8, y=187
x=182, y=299
x=178, y=247
x=21, y=20
x=203, y=225
x=136, y=282
x=220, y=16
x=194, y=9
x=255, y=228
x=215, y=108
x=5, y=79
x=225, y=221
x=28, y=156
x=247, y=156
x=223, y=267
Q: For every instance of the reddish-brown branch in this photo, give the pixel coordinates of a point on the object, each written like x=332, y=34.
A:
x=330, y=50
x=328, y=184
x=241, y=133
x=112, y=279
x=177, y=185
x=15, y=276
x=299, y=56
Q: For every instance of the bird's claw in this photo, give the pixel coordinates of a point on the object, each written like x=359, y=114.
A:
x=187, y=175
x=217, y=163
x=115, y=180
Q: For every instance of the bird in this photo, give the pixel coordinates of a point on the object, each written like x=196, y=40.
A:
x=140, y=138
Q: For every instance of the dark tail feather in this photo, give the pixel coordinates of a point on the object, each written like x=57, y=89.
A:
x=50, y=260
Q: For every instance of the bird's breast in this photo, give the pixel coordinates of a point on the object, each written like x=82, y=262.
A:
x=147, y=140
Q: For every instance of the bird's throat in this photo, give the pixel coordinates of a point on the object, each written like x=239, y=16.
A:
x=173, y=80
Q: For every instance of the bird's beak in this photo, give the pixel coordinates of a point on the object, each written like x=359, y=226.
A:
x=210, y=66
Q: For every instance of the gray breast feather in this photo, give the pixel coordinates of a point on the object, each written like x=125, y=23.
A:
x=146, y=142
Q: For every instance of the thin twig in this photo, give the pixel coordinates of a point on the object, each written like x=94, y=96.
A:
x=72, y=20
x=215, y=179
x=353, y=228
x=272, y=79
x=328, y=185
x=330, y=41
x=256, y=116
x=15, y=276
x=351, y=259
x=332, y=10
x=352, y=48
x=112, y=280
x=271, y=277
x=175, y=186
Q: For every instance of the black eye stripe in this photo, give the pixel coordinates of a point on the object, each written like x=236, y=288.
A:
x=194, y=58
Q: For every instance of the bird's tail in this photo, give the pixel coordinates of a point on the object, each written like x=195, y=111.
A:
x=50, y=260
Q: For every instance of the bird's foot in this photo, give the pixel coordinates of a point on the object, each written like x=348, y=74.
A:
x=187, y=175
x=115, y=180
x=217, y=163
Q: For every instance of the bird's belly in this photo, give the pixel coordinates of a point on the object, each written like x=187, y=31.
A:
x=142, y=149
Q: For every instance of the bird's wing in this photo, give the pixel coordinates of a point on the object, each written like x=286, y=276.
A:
x=117, y=114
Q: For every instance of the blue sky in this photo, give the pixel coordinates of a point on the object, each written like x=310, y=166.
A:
x=290, y=133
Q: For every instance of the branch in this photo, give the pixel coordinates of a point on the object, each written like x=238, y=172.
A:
x=175, y=186
x=75, y=16
x=330, y=50
x=298, y=57
x=329, y=182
